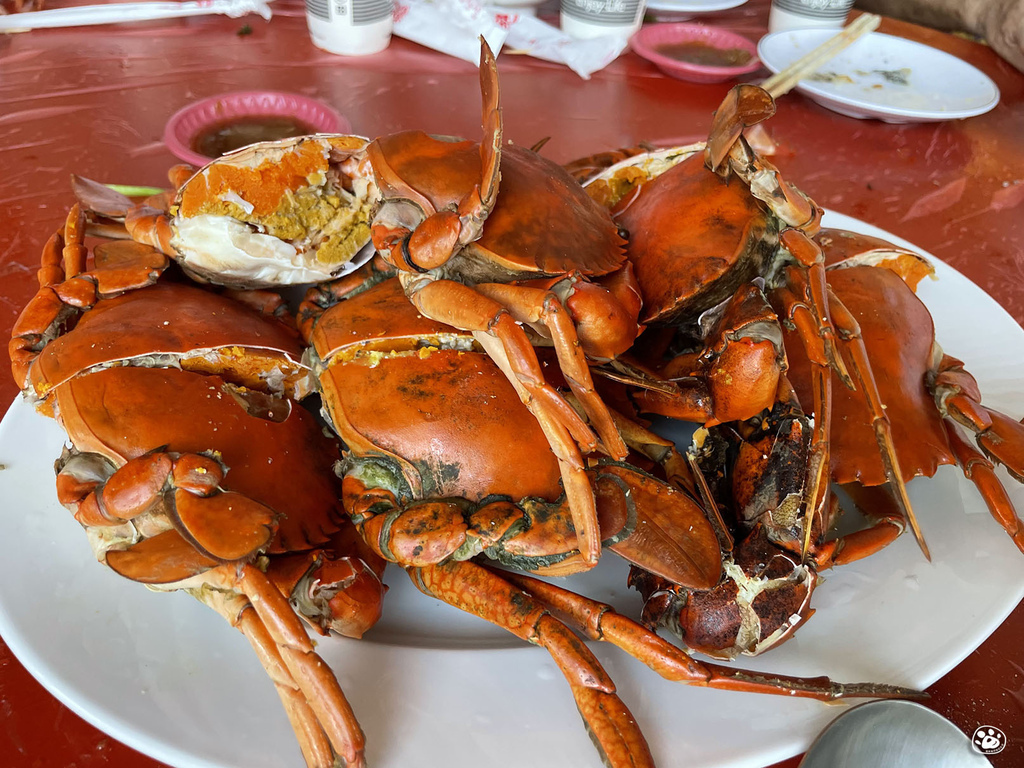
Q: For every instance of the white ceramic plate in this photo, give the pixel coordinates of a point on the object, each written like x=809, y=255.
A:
x=885, y=77
x=434, y=687
x=693, y=6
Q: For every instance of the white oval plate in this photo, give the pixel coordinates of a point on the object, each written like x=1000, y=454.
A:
x=693, y=6
x=433, y=686
x=884, y=77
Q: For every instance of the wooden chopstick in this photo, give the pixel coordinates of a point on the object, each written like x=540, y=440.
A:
x=785, y=80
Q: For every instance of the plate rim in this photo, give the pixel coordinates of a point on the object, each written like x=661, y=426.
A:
x=826, y=98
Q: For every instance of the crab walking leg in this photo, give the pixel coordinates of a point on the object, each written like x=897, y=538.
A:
x=980, y=471
x=861, y=366
x=484, y=593
x=465, y=308
x=536, y=306
x=958, y=397
x=239, y=612
x=889, y=523
x=74, y=251
x=797, y=312
x=811, y=279
x=578, y=491
x=65, y=288
x=313, y=677
x=745, y=106
x=51, y=269
x=600, y=621
x=655, y=447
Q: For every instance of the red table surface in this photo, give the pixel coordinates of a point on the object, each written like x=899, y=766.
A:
x=95, y=100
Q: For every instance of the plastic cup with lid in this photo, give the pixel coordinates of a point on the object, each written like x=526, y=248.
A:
x=596, y=18
x=798, y=14
x=350, y=27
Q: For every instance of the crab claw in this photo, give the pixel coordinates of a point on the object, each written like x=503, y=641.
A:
x=743, y=106
x=653, y=525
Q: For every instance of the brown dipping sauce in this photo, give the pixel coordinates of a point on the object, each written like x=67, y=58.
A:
x=239, y=132
x=696, y=52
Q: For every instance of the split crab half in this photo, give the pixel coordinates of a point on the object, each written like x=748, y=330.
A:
x=271, y=214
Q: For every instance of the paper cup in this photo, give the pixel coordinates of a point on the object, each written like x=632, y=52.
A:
x=798, y=14
x=594, y=18
x=350, y=27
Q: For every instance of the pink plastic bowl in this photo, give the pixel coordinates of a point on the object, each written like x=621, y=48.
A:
x=187, y=123
x=652, y=36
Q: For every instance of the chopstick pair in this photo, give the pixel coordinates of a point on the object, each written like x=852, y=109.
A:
x=785, y=80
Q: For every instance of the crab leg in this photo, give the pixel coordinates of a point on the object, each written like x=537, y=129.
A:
x=239, y=612
x=463, y=307
x=483, y=592
x=577, y=488
x=443, y=232
x=599, y=621
x=980, y=471
x=861, y=366
x=74, y=251
x=727, y=151
x=312, y=676
x=65, y=289
x=655, y=447
x=814, y=285
x=957, y=397
x=889, y=523
x=536, y=306
x=288, y=656
x=797, y=312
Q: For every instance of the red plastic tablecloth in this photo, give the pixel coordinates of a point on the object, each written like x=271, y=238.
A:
x=95, y=101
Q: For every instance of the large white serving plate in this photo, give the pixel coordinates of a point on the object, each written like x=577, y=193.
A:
x=434, y=687
x=884, y=77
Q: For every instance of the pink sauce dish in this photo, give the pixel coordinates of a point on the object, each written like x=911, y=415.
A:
x=207, y=129
x=695, y=52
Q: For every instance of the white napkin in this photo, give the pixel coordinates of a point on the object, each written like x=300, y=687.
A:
x=455, y=26
x=449, y=26
x=534, y=37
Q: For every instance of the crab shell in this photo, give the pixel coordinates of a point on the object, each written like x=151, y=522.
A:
x=843, y=248
x=421, y=366
x=542, y=222
x=284, y=464
x=693, y=239
x=276, y=213
x=177, y=325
